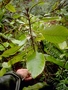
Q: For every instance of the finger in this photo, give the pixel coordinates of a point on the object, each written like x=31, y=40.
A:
x=29, y=78
x=28, y=74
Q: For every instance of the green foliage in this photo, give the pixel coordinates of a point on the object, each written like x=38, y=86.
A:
x=16, y=59
x=35, y=32
x=56, y=61
x=2, y=11
x=11, y=51
x=35, y=86
x=2, y=72
x=35, y=64
x=55, y=34
x=63, y=85
x=10, y=8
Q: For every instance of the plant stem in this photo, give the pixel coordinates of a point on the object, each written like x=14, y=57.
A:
x=30, y=30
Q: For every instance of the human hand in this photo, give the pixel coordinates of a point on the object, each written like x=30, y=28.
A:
x=24, y=73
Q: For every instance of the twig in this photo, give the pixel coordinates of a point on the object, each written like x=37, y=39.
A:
x=34, y=5
x=30, y=30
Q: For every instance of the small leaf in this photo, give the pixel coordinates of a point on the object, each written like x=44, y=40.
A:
x=15, y=41
x=36, y=63
x=6, y=44
x=19, y=42
x=40, y=37
x=5, y=65
x=11, y=51
x=15, y=16
x=22, y=37
x=1, y=48
x=62, y=45
x=10, y=7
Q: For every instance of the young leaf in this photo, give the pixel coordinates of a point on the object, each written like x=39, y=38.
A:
x=62, y=45
x=10, y=7
x=36, y=63
x=55, y=34
x=11, y=51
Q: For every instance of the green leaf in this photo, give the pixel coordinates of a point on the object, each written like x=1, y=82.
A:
x=36, y=63
x=10, y=7
x=1, y=48
x=53, y=60
x=46, y=19
x=15, y=16
x=22, y=37
x=55, y=34
x=16, y=59
x=2, y=71
x=11, y=51
x=19, y=42
x=0, y=57
x=63, y=45
x=15, y=41
x=2, y=11
x=36, y=86
x=5, y=65
x=66, y=65
x=6, y=44
x=40, y=37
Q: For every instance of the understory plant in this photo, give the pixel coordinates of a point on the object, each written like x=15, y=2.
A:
x=38, y=43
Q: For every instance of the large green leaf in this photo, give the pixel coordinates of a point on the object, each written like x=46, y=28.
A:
x=55, y=33
x=56, y=61
x=36, y=63
x=10, y=7
x=10, y=51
